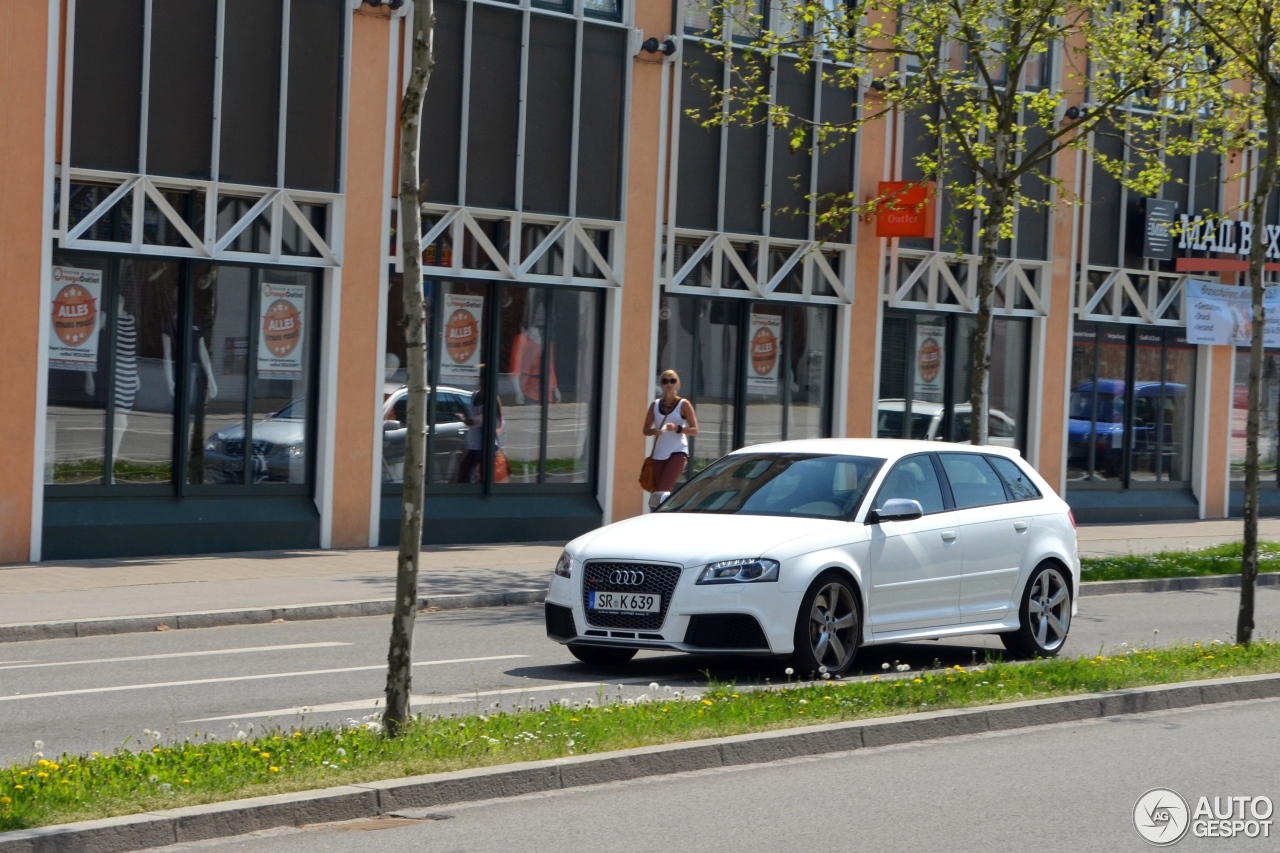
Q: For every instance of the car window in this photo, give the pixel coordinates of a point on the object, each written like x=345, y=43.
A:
x=915, y=479
x=1015, y=478
x=449, y=407
x=400, y=411
x=790, y=484
x=973, y=481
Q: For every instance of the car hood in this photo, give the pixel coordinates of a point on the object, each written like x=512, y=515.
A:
x=272, y=431
x=695, y=539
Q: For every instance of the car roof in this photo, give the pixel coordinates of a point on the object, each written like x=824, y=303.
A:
x=880, y=448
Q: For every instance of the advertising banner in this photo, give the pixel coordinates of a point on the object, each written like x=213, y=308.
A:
x=1157, y=237
x=765, y=351
x=1222, y=315
x=931, y=348
x=76, y=314
x=280, y=344
x=461, y=345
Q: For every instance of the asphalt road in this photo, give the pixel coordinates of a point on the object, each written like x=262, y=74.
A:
x=1070, y=787
x=94, y=693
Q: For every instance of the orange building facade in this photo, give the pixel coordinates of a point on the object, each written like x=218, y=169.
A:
x=198, y=245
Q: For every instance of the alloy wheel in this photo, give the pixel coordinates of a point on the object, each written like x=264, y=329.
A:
x=1049, y=609
x=833, y=627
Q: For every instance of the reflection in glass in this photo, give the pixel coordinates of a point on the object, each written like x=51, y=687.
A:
x=76, y=418
x=144, y=371
x=1150, y=419
x=1007, y=395
x=282, y=327
x=460, y=377
x=809, y=349
x=574, y=357
x=712, y=385
x=219, y=377
x=767, y=373
x=1268, y=427
x=526, y=378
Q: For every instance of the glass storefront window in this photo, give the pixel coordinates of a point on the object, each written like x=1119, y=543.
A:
x=544, y=343
x=926, y=378
x=1131, y=406
x=755, y=371
x=1268, y=427
x=139, y=343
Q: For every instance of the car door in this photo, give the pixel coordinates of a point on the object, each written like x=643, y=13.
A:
x=994, y=531
x=915, y=565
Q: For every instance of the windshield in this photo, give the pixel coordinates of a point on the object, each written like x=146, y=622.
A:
x=1110, y=407
x=790, y=484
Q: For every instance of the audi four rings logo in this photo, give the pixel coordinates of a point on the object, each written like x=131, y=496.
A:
x=626, y=577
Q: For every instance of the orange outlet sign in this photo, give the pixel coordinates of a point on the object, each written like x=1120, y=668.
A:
x=905, y=209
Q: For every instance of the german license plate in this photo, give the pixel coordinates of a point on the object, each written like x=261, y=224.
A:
x=625, y=602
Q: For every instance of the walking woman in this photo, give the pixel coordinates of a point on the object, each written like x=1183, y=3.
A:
x=672, y=419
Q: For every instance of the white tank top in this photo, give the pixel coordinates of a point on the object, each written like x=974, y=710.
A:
x=667, y=443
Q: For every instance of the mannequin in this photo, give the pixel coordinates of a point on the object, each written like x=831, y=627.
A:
x=127, y=381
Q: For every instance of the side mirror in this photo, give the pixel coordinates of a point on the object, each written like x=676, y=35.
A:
x=388, y=426
x=897, y=509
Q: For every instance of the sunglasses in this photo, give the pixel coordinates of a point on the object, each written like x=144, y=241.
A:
x=670, y=381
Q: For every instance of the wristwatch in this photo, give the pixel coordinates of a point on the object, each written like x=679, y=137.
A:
x=679, y=427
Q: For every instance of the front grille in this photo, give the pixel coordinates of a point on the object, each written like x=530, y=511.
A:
x=658, y=580
x=560, y=622
x=725, y=631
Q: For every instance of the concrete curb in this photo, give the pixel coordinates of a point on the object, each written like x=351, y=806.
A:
x=18, y=633
x=351, y=802
x=1173, y=584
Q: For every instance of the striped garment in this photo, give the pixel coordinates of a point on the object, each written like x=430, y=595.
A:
x=126, y=361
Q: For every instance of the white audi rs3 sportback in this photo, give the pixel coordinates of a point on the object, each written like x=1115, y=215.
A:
x=812, y=548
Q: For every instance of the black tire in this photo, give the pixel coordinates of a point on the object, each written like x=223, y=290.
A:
x=828, y=627
x=1044, y=614
x=601, y=655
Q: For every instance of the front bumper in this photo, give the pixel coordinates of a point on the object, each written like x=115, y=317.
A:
x=707, y=619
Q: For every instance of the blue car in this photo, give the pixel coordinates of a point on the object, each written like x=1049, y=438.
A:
x=1108, y=431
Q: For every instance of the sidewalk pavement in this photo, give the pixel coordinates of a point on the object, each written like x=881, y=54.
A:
x=260, y=581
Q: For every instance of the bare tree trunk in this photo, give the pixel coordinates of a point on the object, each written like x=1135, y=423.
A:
x=989, y=256
x=400, y=654
x=1266, y=182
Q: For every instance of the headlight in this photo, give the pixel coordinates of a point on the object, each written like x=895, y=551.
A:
x=564, y=566
x=213, y=445
x=740, y=571
x=290, y=451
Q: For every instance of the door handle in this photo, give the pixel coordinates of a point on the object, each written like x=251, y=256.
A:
x=1020, y=526
x=948, y=536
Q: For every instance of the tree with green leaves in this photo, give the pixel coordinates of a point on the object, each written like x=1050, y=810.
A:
x=400, y=653
x=1002, y=86
x=1242, y=34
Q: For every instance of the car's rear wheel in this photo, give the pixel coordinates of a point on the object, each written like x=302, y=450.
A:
x=601, y=655
x=828, y=628
x=1044, y=615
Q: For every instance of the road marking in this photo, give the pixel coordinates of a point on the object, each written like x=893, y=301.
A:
x=241, y=651
x=415, y=700
x=233, y=678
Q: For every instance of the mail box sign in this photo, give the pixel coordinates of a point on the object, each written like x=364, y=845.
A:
x=905, y=209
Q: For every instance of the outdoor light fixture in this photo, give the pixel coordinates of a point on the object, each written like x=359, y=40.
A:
x=393, y=4
x=1072, y=113
x=876, y=84
x=666, y=46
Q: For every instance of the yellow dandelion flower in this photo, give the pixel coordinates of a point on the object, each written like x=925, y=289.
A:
x=274, y=769
x=266, y=755
x=19, y=787
x=573, y=719
x=42, y=775
x=707, y=702
x=917, y=681
x=4, y=801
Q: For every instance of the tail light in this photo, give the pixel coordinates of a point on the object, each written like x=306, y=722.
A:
x=1071, y=516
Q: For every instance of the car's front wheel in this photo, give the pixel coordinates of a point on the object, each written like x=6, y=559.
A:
x=1044, y=615
x=600, y=655
x=827, y=627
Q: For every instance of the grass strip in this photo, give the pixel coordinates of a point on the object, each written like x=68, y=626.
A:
x=206, y=769
x=1218, y=560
